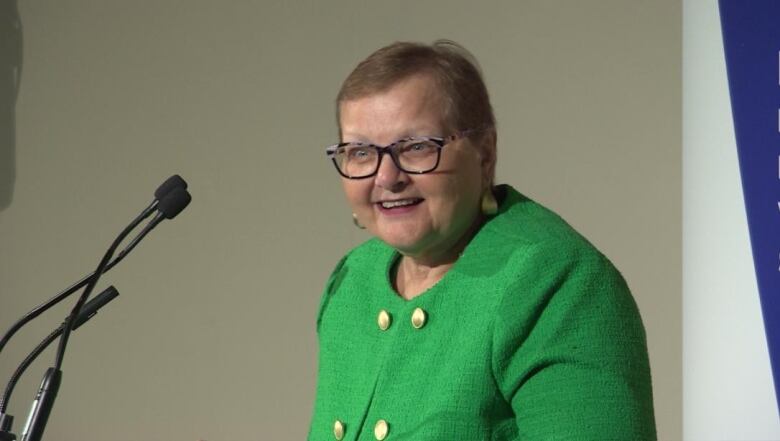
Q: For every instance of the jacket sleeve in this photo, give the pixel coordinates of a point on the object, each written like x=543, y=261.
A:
x=330, y=287
x=569, y=351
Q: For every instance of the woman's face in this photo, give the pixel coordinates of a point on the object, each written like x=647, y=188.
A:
x=446, y=201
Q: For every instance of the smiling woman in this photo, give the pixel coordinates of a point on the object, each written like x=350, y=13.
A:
x=427, y=217
x=475, y=313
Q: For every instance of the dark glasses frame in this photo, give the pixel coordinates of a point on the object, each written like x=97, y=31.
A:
x=391, y=150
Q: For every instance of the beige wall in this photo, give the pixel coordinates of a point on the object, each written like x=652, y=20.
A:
x=213, y=335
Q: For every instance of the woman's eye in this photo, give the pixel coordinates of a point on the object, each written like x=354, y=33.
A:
x=416, y=147
x=358, y=153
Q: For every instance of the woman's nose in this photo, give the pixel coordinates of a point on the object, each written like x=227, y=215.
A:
x=389, y=176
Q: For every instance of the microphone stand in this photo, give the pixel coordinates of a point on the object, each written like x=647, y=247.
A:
x=43, y=307
x=170, y=184
x=47, y=393
x=169, y=207
x=89, y=311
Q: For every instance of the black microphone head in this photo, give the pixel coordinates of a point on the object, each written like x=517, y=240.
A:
x=171, y=183
x=174, y=202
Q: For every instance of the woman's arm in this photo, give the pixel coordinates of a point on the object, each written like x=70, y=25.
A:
x=569, y=351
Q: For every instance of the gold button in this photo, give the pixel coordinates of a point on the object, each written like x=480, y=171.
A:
x=380, y=430
x=418, y=318
x=338, y=430
x=384, y=320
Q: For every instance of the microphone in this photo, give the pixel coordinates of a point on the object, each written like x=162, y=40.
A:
x=173, y=203
x=170, y=199
x=169, y=207
x=89, y=311
x=163, y=190
x=170, y=184
x=166, y=187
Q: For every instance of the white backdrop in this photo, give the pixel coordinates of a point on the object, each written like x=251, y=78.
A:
x=728, y=392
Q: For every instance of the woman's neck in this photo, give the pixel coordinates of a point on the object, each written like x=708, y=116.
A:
x=416, y=274
x=413, y=278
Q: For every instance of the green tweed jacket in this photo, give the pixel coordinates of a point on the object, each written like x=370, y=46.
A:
x=531, y=335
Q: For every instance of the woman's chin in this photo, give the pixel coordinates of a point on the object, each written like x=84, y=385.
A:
x=405, y=241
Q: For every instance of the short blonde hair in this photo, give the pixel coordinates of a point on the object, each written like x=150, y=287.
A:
x=464, y=97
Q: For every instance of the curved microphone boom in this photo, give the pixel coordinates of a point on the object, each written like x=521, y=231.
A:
x=163, y=190
x=170, y=199
x=89, y=311
x=169, y=207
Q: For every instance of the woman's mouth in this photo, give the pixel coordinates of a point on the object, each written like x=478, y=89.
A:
x=399, y=206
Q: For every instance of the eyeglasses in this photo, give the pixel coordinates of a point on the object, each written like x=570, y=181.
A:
x=415, y=155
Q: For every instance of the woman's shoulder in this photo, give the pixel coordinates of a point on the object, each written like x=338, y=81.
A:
x=528, y=231
x=523, y=220
x=369, y=249
x=363, y=258
x=545, y=261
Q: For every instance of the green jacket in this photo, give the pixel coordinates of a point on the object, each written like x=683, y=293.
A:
x=531, y=335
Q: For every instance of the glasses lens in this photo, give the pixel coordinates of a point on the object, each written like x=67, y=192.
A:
x=356, y=160
x=417, y=155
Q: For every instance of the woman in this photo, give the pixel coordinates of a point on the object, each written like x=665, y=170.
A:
x=474, y=313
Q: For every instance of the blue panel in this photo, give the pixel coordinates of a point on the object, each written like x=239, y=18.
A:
x=751, y=39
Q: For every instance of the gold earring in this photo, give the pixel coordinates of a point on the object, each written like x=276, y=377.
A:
x=356, y=222
x=489, y=203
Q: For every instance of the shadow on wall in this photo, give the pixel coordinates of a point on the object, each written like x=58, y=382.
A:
x=10, y=77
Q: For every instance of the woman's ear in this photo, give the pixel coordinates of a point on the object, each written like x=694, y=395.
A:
x=488, y=153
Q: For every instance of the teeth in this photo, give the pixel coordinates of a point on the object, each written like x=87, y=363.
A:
x=401, y=203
